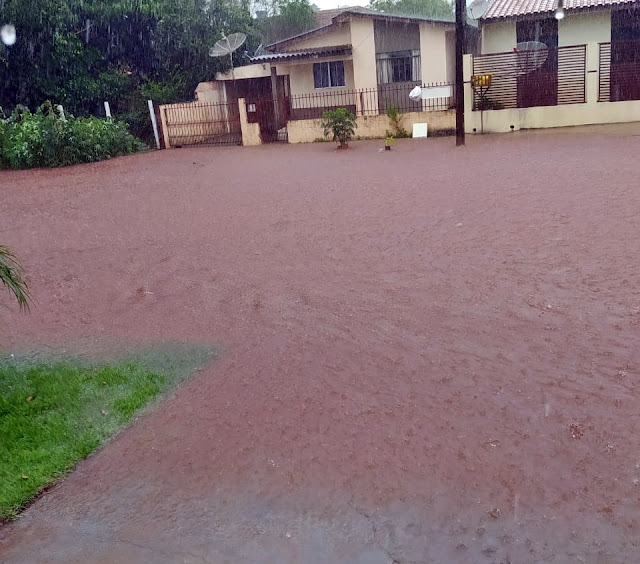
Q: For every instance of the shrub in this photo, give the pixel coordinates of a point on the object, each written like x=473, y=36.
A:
x=486, y=103
x=44, y=139
x=395, y=120
x=341, y=123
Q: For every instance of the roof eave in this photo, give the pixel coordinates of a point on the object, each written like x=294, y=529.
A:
x=342, y=50
x=394, y=18
x=549, y=13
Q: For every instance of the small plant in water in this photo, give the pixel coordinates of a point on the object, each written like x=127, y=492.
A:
x=396, y=121
x=341, y=123
x=389, y=140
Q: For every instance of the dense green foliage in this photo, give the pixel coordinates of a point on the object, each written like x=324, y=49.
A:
x=43, y=139
x=79, y=53
x=341, y=123
x=11, y=277
x=286, y=19
x=439, y=9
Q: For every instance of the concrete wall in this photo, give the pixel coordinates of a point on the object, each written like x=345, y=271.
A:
x=256, y=70
x=392, y=36
x=210, y=92
x=301, y=77
x=434, y=55
x=372, y=127
x=591, y=112
x=250, y=131
x=577, y=29
x=450, y=53
x=498, y=37
x=364, y=56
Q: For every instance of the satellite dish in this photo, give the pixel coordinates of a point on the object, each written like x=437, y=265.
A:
x=226, y=46
x=530, y=56
x=259, y=51
x=477, y=9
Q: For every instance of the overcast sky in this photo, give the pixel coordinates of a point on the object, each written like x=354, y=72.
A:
x=327, y=4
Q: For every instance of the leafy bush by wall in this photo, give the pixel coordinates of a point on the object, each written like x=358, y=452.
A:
x=44, y=139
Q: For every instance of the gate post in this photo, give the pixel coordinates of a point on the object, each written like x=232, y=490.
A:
x=165, y=129
x=250, y=131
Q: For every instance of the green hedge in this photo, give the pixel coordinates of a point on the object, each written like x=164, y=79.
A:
x=44, y=139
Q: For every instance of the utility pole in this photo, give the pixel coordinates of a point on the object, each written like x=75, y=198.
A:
x=461, y=13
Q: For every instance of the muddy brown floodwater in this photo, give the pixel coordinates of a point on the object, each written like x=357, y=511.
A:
x=430, y=354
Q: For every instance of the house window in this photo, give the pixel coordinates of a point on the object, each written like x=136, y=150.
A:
x=398, y=66
x=328, y=75
x=401, y=66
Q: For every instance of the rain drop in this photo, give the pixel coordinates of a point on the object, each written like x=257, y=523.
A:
x=8, y=34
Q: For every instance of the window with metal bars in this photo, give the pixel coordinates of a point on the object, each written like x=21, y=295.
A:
x=328, y=74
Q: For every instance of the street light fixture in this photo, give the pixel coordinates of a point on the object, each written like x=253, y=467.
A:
x=560, y=10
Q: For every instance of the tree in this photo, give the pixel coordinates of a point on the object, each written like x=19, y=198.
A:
x=11, y=277
x=79, y=53
x=440, y=9
x=286, y=18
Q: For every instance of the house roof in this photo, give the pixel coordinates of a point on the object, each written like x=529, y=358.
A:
x=324, y=17
x=312, y=53
x=346, y=14
x=509, y=9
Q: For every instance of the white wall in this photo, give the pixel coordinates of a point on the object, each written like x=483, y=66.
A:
x=364, y=53
x=450, y=53
x=574, y=29
x=498, y=37
x=256, y=70
x=301, y=77
x=433, y=53
x=577, y=29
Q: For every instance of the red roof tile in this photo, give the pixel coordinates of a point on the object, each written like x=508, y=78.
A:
x=502, y=9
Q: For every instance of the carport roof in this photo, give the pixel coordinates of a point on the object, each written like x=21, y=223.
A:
x=509, y=9
x=312, y=53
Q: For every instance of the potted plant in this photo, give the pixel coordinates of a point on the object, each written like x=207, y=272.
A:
x=341, y=123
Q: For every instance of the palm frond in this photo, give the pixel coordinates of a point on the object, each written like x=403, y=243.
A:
x=11, y=277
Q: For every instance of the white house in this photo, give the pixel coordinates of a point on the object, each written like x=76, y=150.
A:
x=362, y=60
x=587, y=72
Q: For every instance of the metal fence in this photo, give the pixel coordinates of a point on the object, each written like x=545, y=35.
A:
x=619, y=71
x=366, y=102
x=524, y=79
x=202, y=123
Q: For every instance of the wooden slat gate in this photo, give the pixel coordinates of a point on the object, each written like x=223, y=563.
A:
x=202, y=123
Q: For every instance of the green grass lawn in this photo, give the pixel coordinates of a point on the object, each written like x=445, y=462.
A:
x=54, y=413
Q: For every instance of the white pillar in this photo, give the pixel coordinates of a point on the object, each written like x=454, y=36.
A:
x=154, y=123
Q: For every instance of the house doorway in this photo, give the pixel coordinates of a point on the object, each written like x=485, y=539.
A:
x=539, y=87
x=271, y=113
